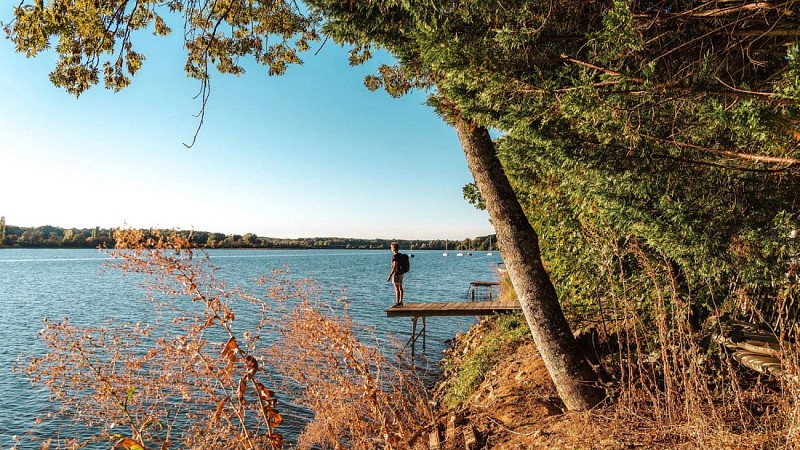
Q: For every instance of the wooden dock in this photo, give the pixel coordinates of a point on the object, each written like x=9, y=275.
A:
x=424, y=310
x=451, y=309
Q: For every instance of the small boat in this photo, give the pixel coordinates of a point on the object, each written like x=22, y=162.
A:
x=445, y=248
x=489, y=253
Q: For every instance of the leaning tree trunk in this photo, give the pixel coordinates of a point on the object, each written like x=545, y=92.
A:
x=517, y=240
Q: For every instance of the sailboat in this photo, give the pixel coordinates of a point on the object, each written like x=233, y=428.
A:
x=489, y=253
x=459, y=253
x=445, y=248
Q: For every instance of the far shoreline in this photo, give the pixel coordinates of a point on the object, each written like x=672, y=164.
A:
x=52, y=237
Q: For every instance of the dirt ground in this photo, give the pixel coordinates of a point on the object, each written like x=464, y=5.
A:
x=516, y=407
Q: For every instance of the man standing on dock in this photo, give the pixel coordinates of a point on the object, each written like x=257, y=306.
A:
x=399, y=268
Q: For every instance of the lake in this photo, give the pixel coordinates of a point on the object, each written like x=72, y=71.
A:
x=58, y=283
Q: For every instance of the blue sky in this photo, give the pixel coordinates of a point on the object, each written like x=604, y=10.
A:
x=311, y=153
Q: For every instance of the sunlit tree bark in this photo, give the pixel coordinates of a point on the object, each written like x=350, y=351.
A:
x=519, y=244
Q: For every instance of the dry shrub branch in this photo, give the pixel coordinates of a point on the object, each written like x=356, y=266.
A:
x=193, y=376
x=361, y=398
x=181, y=379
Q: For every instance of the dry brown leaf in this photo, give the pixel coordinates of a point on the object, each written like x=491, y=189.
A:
x=129, y=444
x=242, y=389
x=274, y=418
x=230, y=350
x=218, y=411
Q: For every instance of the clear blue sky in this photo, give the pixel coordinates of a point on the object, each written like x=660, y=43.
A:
x=312, y=153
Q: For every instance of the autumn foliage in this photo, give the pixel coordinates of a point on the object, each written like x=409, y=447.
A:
x=194, y=376
x=360, y=397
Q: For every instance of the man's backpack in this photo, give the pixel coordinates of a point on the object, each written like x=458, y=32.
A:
x=403, y=264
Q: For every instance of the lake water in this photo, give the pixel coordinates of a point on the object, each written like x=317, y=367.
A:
x=58, y=283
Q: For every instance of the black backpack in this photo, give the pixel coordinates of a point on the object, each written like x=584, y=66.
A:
x=403, y=264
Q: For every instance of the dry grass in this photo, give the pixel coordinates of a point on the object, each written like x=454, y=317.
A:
x=670, y=388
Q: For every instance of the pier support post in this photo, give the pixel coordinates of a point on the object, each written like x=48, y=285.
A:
x=424, y=332
x=413, y=335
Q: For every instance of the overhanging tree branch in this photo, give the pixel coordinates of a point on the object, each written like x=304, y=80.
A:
x=788, y=161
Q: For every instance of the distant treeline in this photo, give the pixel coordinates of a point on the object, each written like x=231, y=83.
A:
x=52, y=237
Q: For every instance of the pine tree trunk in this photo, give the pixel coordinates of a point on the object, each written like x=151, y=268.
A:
x=519, y=244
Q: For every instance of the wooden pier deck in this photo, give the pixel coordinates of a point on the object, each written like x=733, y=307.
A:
x=424, y=310
x=451, y=309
